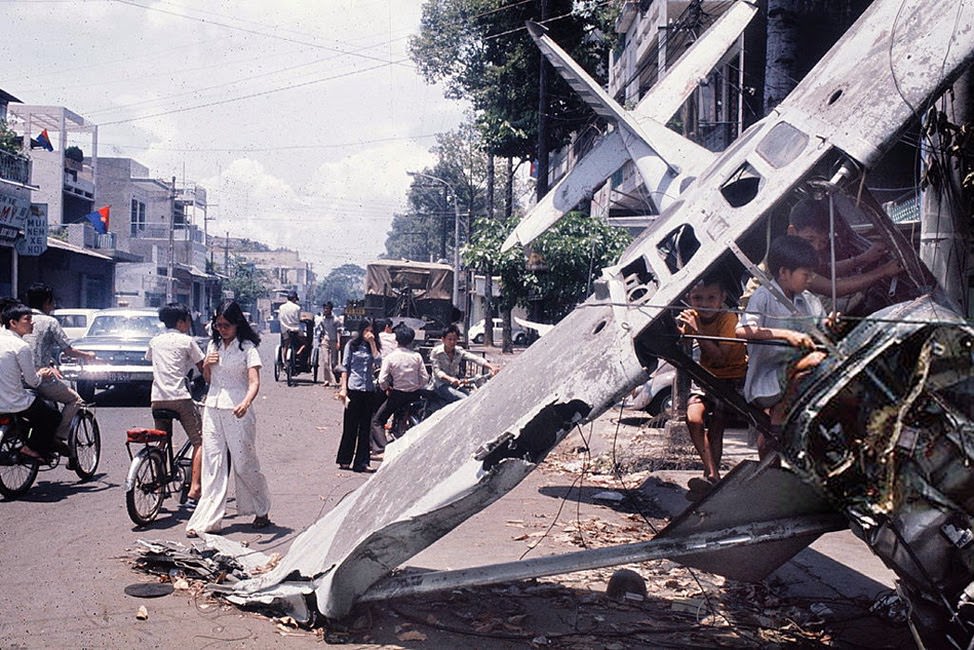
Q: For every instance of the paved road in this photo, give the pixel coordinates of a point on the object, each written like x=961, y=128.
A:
x=65, y=551
x=64, y=548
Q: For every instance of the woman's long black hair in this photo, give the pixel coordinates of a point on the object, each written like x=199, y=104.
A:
x=232, y=313
x=359, y=341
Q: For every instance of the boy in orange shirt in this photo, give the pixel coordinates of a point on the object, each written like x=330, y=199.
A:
x=726, y=360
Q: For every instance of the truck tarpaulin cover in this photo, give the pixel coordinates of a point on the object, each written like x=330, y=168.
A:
x=425, y=280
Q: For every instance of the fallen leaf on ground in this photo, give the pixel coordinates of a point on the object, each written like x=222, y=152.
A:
x=412, y=635
x=142, y=614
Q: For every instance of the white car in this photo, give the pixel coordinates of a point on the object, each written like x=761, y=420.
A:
x=75, y=322
x=518, y=335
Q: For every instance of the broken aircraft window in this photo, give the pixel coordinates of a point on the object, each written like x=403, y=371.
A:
x=742, y=186
x=639, y=280
x=782, y=144
x=678, y=247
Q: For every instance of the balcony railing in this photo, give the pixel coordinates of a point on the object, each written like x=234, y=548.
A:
x=14, y=167
x=161, y=231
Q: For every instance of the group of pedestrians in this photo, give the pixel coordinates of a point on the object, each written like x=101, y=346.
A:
x=380, y=373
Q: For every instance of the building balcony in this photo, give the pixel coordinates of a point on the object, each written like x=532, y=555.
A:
x=14, y=167
x=76, y=185
x=161, y=231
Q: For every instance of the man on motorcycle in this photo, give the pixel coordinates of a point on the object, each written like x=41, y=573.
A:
x=16, y=369
x=47, y=341
x=445, y=359
x=402, y=376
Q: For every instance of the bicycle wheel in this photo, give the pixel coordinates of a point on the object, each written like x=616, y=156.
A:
x=17, y=472
x=277, y=364
x=314, y=365
x=144, y=500
x=85, y=445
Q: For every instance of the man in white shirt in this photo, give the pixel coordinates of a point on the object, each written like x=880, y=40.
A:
x=16, y=369
x=174, y=354
x=327, y=340
x=289, y=316
x=402, y=376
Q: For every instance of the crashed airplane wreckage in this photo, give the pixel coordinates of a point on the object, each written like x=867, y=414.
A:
x=881, y=437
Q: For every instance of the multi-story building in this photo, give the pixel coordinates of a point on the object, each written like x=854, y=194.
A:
x=157, y=223
x=44, y=187
x=66, y=180
x=284, y=270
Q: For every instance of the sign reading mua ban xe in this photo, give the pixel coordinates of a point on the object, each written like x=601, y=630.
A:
x=34, y=241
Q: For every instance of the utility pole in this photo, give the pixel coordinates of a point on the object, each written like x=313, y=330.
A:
x=172, y=233
x=226, y=255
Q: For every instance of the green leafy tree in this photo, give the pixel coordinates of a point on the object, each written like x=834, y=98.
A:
x=342, y=284
x=482, y=52
x=574, y=253
x=426, y=231
x=247, y=282
x=9, y=140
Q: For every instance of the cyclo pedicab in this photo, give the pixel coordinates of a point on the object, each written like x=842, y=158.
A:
x=298, y=355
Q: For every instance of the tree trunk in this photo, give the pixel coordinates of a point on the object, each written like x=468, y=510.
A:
x=488, y=281
x=945, y=211
x=506, y=345
x=781, y=70
x=542, y=169
x=509, y=191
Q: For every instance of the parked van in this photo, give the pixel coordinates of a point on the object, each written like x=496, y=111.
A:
x=74, y=321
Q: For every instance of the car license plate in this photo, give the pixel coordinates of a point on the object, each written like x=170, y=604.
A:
x=117, y=377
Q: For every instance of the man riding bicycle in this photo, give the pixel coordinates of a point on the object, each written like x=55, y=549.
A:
x=174, y=354
x=16, y=369
x=289, y=316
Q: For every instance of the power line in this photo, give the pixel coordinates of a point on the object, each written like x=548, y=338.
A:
x=231, y=100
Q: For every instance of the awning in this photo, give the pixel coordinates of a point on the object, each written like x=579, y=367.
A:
x=54, y=242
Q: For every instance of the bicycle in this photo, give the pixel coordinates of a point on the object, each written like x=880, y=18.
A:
x=19, y=471
x=155, y=473
x=409, y=415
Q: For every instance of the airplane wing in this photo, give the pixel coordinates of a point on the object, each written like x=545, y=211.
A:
x=471, y=453
x=635, y=131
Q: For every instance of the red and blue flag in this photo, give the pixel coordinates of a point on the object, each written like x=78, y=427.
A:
x=99, y=219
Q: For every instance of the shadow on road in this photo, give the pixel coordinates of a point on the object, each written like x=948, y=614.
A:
x=629, y=501
x=55, y=490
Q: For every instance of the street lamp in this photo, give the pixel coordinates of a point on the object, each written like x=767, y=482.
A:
x=456, y=232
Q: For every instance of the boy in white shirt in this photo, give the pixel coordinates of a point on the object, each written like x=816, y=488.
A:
x=774, y=370
x=173, y=354
x=402, y=375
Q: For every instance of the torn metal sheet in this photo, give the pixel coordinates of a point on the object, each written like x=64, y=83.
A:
x=744, y=540
x=771, y=494
x=849, y=111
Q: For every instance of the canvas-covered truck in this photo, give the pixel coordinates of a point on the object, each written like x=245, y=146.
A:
x=418, y=292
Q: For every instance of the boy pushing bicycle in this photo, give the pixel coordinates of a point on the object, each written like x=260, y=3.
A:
x=173, y=354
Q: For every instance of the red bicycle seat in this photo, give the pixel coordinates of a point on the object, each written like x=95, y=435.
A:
x=145, y=435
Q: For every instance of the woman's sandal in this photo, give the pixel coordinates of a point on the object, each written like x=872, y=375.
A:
x=261, y=521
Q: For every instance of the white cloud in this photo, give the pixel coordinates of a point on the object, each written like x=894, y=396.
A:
x=312, y=151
